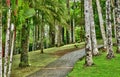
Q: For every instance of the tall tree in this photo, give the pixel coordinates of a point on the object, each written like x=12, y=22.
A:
x=24, y=45
x=0, y=38
x=93, y=33
x=115, y=6
x=88, y=48
x=68, y=30
x=110, y=53
x=118, y=26
x=42, y=34
x=101, y=23
x=12, y=48
x=7, y=43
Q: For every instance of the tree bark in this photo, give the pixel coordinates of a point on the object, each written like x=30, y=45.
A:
x=110, y=53
x=68, y=31
x=11, y=53
x=42, y=35
x=88, y=48
x=93, y=33
x=0, y=40
x=58, y=35
x=118, y=26
x=7, y=43
x=24, y=46
x=101, y=23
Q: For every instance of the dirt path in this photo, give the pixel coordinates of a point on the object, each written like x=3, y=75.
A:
x=62, y=66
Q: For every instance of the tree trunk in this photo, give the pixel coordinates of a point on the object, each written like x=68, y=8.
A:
x=42, y=35
x=88, y=48
x=73, y=31
x=118, y=26
x=7, y=43
x=63, y=40
x=58, y=35
x=52, y=36
x=67, y=37
x=93, y=33
x=101, y=23
x=68, y=31
x=0, y=40
x=11, y=53
x=110, y=53
x=24, y=46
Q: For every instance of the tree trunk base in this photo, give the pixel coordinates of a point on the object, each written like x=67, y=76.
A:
x=22, y=65
x=104, y=49
x=96, y=54
x=118, y=50
x=88, y=65
x=110, y=56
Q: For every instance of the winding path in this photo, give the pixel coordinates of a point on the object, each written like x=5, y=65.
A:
x=62, y=66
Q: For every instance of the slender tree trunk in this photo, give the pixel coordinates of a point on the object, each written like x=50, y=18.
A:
x=93, y=33
x=115, y=6
x=68, y=31
x=73, y=31
x=88, y=48
x=67, y=37
x=33, y=47
x=59, y=36
x=52, y=36
x=56, y=35
x=118, y=27
x=63, y=40
x=42, y=35
x=24, y=46
x=0, y=40
x=101, y=23
x=7, y=43
x=11, y=53
x=114, y=18
x=110, y=53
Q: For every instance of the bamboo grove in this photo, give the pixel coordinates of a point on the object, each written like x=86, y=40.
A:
x=30, y=25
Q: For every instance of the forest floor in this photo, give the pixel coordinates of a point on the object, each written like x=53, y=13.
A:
x=62, y=66
x=37, y=61
x=103, y=67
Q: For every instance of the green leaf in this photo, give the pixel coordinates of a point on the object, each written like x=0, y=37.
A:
x=28, y=12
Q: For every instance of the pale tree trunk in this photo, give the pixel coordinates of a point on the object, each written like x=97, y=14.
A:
x=115, y=16
x=7, y=43
x=73, y=32
x=118, y=27
x=11, y=53
x=73, y=24
x=58, y=36
x=0, y=40
x=88, y=48
x=70, y=34
x=93, y=33
x=101, y=23
x=110, y=53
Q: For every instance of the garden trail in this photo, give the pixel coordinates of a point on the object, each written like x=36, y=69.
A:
x=62, y=66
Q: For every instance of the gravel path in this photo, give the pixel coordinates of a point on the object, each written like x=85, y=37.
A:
x=62, y=66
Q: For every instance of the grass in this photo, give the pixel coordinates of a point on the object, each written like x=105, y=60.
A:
x=102, y=68
x=37, y=60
